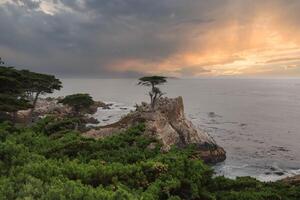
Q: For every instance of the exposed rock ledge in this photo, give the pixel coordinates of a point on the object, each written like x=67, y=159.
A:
x=294, y=180
x=169, y=125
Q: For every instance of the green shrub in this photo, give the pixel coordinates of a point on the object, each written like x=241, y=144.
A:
x=36, y=165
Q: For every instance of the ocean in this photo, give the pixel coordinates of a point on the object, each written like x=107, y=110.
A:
x=257, y=121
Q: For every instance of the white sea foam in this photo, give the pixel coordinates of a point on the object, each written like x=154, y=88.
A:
x=111, y=115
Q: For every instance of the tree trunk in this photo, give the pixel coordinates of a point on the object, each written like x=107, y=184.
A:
x=151, y=99
x=152, y=96
x=33, y=107
x=154, y=100
x=14, y=117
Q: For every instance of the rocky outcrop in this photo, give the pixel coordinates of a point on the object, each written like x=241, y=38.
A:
x=50, y=106
x=294, y=180
x=168, y=124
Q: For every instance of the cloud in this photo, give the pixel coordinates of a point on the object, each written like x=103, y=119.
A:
x=282, y=60
x=126, y=38
x=192, y=71
x=29, y=4
x=291, y=67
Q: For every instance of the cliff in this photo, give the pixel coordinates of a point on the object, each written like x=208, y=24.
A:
x=168, y=124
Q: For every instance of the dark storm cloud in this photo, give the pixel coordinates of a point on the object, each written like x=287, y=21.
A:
x=92, y=34
x=84, y=37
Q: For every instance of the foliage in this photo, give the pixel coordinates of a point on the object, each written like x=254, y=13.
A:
x=54, y=126
x=12, y=96
x=36, y=84
x=35, y=164
x=20, y=89
x=153, y=81
x=79, y=102
x=40, y=83
x=10, y=103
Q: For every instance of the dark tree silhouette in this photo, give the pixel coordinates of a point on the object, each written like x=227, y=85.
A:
x=37, y=84
x=1, y=61
x=12, y=97
x=153, y=82
x=20, y=89
x=80, y=103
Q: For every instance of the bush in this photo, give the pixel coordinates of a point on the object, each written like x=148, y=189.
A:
x=36, y=165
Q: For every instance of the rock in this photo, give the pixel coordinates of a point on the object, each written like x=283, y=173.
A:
x=101, y=133
x=212, y=155
x=23, y=116
x=212, y=114
x=50, y=106
x=100, y=104
x=279, y=173
x=273, y=169
x=91, y=120
x=294, y=180
x=107, y=106
x=168, y=124
x=151, y=146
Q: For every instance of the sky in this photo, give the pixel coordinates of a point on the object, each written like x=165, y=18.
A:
x=132, y=38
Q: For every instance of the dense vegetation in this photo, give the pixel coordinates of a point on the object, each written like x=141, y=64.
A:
x=79, y=103
x=20, y=89
x=49, y=161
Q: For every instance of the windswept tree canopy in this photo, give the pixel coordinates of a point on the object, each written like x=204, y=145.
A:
x=20, y=89
x=12, y=96
x=79, y=102
x=37, y=84
x=9, y=103
x=40, y=83
x=152, y=80
x=11, y=80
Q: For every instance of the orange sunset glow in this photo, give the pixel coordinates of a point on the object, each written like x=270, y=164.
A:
x=262, y=46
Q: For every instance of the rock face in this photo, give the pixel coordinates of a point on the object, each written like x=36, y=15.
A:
x=169, y=125
x=294, y=180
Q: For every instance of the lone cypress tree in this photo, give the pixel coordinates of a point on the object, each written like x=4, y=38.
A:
x=153, y=82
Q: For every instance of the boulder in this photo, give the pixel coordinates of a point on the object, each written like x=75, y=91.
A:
x=97, y=104
x=90, y=120
x=167, y=123
x=294, y=180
